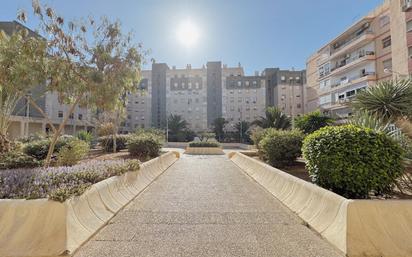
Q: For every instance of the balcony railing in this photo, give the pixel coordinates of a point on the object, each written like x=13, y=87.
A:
x=348, y=61
x=351, y=39
x=350, y=80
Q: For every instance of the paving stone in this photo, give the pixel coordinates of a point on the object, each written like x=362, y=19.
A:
x=206, y=206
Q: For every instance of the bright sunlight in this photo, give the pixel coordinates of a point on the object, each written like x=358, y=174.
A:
x=188, y=33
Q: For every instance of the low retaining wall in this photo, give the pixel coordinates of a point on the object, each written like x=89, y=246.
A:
x=43, y=227
x=204, y=150
x=356, y=227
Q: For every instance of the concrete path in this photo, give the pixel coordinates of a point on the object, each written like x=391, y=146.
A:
x=206, y=206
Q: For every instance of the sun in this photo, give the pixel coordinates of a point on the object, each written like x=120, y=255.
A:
x=188, y=33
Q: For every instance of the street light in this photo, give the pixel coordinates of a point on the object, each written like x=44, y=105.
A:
x=28, y=96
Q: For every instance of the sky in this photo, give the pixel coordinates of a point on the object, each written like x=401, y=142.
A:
x=255, y=33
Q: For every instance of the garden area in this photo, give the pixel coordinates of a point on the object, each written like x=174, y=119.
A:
x=366, y=157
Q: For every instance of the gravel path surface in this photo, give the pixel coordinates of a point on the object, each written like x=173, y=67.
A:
x=206, y=206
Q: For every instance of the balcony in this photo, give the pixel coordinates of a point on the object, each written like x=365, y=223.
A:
x=352, y=62
x=407, y=5
x=354, y=42
x=364, y=77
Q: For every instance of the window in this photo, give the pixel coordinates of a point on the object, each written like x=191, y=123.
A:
x=410, y=52
x=71, y=116
x=384, y=20
x=386, y=42
x=387, y=64
x=60, y=114
x=239, y=83
x=254, y=82
x=283, y=78
x=247, y=83
x=298, y=106
x=350, y=93
x=409, y=26
x=80, y=116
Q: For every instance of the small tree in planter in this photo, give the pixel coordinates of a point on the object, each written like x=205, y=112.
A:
x=88, y=62
x=353, y=161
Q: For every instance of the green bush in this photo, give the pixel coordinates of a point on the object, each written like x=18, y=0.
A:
x=72, y=153
x=16, y=159
x=85, y=136
x=312, y=121
x=144, y=145
x=39, y=148
x=157, y=132
x=281, y=147
x=204, y=144
x=107, y=142
x=353, y=161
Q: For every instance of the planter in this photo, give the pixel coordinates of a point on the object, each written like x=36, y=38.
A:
x=356, y=227
x=204, y=151
x=44, y=227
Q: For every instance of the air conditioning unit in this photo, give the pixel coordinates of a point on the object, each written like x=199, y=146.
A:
x=407, y=5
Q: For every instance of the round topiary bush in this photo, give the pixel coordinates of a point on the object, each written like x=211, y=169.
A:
x=281, y=147
x=353, y=161
x=144, y=145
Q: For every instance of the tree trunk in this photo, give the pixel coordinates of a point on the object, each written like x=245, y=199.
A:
x=115, y=133
x=59, y=130
x=42, y=113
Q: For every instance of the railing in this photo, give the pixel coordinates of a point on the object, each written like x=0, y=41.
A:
x=336, y=49
x=345, y=62
x=348, y=81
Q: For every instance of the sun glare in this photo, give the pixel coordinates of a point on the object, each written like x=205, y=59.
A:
x=188, y=33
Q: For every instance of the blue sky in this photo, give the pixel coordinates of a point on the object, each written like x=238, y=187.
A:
x=256, y=33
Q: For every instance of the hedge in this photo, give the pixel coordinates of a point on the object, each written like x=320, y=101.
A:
x=353, y=161
x=144, y=145
x=106, y=142
x=281, y=147
x=204, y=144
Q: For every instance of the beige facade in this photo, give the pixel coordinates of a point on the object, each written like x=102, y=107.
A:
x=371, y=50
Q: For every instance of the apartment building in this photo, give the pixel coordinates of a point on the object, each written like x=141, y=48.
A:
x=26, y=120
x=375, y=48
x=200, y=95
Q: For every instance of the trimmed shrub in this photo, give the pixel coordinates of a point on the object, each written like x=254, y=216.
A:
x=144, y=145
x=59, y=183
x=312, y=121
x=107, y=142
x=16, y=159
x=157, y=132
x=281, y=147
x=72, y=153
x=204, y=144
x=39, y=148
x=353, y=161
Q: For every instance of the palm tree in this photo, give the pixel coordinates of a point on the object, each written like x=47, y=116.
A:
x=391, y=100
x=219, y=128
x=242, y=129
x=274, y=118
x=177, y=125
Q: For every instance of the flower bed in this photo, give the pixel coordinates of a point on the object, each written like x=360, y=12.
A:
x=59, y=183
x=43, y=227
x=204, y=144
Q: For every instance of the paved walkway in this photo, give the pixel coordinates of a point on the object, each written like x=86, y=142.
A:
x=206, y=206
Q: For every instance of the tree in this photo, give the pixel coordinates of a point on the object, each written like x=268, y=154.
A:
x=274, y=118
x=391, y=100
x=177, y=128
x=242, y=130
x=88, y=62
x=22, y=61
x=312, y=121
x=219, y=128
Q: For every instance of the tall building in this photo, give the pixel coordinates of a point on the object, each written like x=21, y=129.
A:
x=375, y=48
x=26, y=120
x=200, y=95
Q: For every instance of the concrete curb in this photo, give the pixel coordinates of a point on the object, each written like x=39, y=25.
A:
x=47, y=228
x=204, y=151
x=356, y=227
